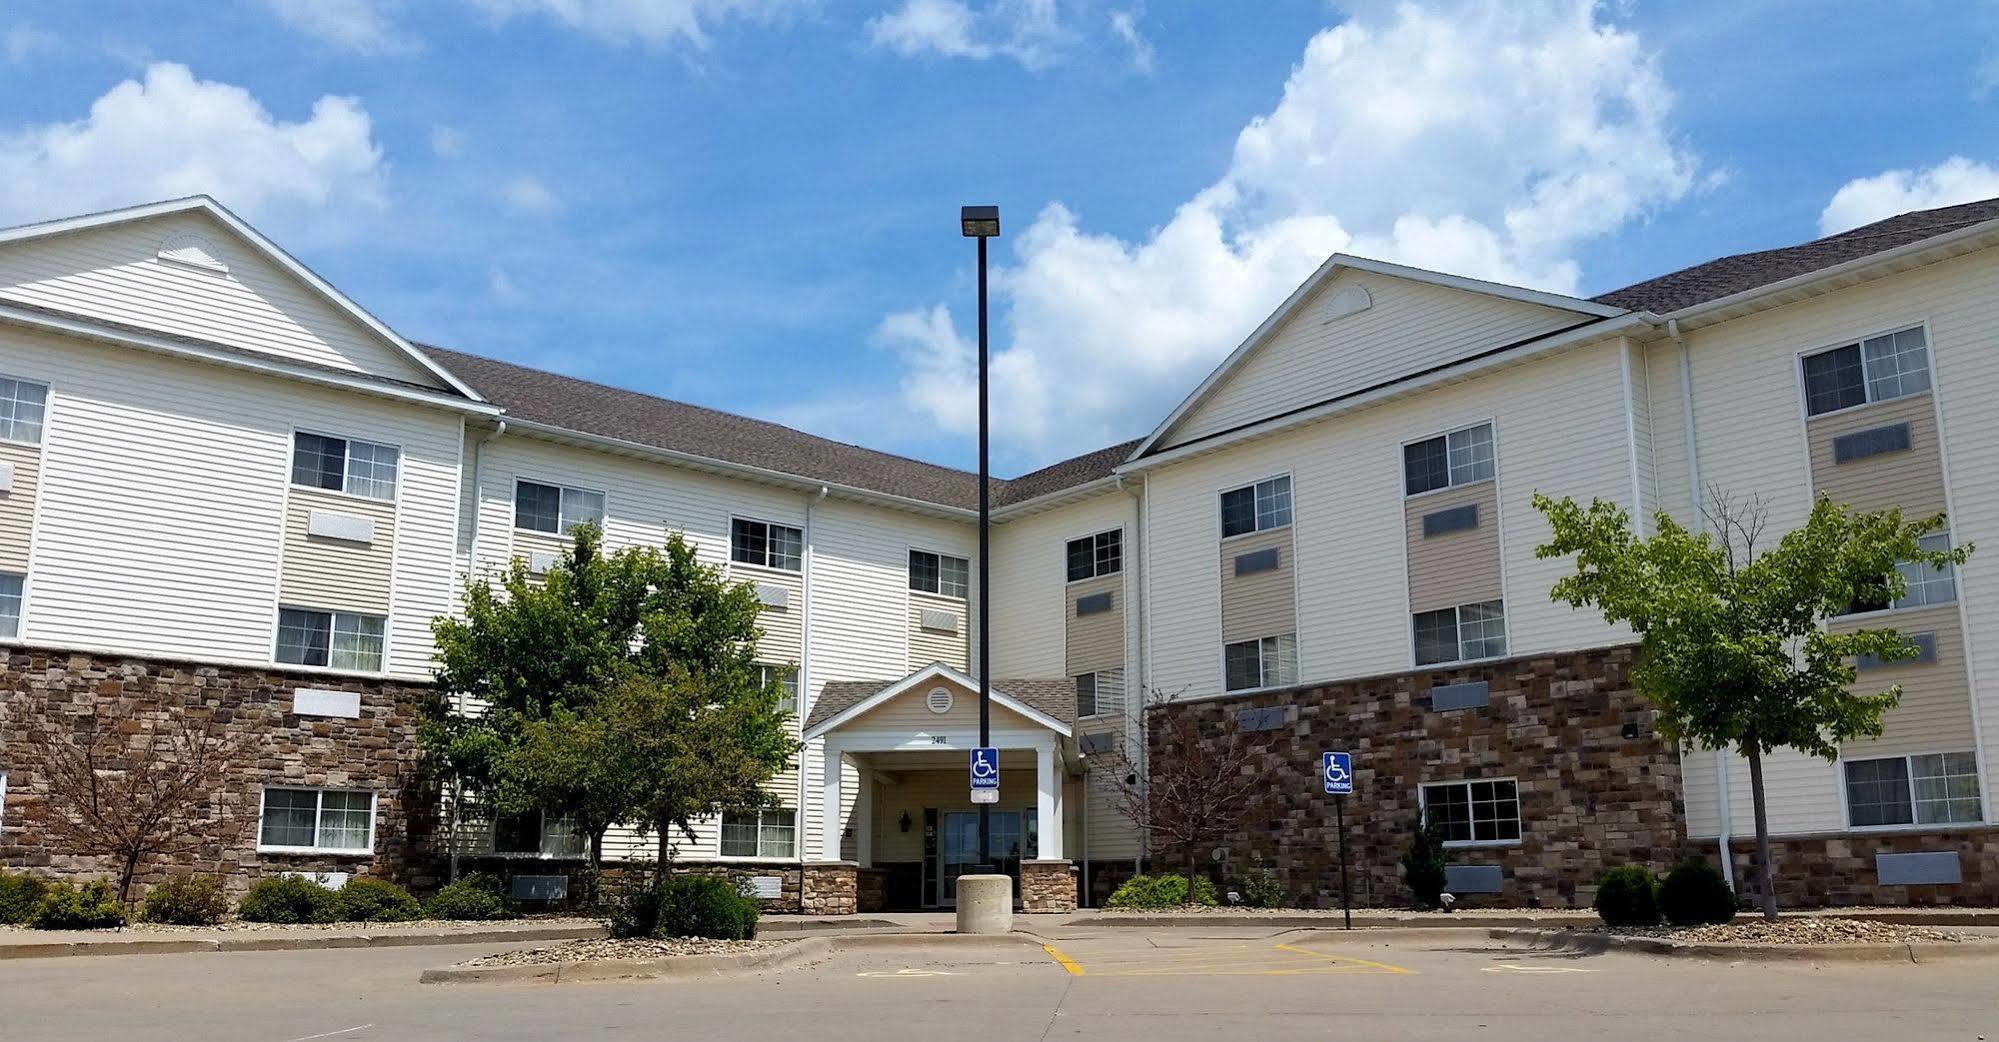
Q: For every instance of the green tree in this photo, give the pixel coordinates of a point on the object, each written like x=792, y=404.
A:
x=1735, y=652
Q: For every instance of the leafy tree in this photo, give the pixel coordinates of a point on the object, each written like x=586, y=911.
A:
x=1193, y=800
x=1735, y=651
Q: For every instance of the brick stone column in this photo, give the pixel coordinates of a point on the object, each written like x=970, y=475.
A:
x=831, y=888
x=1047, y=886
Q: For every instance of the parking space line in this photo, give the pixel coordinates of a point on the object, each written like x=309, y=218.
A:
x=1345, y=959
x=1066, y=962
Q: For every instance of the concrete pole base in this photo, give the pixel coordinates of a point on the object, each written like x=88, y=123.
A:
x=985, y=904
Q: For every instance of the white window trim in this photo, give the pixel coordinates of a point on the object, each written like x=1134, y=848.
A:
x=291, y=463
x=1092, y=536
x=1238, y=486
x=1505, y=619
x=1296, y=651
x=797, y=824
x=1402, y=460
x=729, y=541
x=1804, y=393
x=1423, y=806
x=514, y=505
x=909, y=573
x=48, y=407
x=1912, y=826
x=374, y=817
x=388, y=647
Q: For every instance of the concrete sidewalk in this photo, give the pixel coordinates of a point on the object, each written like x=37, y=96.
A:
x=141, y=940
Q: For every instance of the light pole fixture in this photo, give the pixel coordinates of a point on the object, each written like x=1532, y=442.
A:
x=982, y=223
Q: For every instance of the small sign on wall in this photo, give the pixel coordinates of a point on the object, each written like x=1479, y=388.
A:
x=764, y=888
x=313, y=701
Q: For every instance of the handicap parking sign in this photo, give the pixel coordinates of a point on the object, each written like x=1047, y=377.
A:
x=985, y=774
x=1337, y=770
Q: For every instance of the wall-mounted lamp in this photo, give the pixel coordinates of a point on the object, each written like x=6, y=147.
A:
x=903, y=822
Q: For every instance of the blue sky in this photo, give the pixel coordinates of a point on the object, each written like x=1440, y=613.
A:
x=751, y=204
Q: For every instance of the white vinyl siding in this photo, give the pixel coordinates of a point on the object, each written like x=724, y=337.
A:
x=330, y=821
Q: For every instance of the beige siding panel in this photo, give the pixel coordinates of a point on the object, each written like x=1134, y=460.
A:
x=899, y=790
x=1912, y=480
x=1262, y=604
x=1030, y=588
x=333, y=574
x=928, y=645
x=17, y=505
x=1935, y=712
x=1456, y=567
x=1095, y=642
x=115, y=273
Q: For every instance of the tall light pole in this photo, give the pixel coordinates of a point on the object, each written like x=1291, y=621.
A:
x=982, y=223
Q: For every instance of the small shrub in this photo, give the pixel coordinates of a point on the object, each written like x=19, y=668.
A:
x=634, y=903
x=367, y=900
x=475, y=898
x=288, y=899
x=1259, y=888
x=1161, y=891
x=186, y=901
x=66, y=906
x=1423, y=865
x=707, y=906
x=1628, y=895
x=1695, y=893
x=20, y=895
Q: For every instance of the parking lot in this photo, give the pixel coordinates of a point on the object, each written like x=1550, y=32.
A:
x=1116, y=984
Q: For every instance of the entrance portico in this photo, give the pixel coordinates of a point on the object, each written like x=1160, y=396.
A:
x=894, y=788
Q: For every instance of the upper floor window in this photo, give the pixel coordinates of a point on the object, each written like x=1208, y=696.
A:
x=1086, y=695
x=1457, y=458
x=553, y=508
x=1255, y=508
x=1094, y=555
x=939, y=573
x=1461, y=634
x=22, y=405
x=1873, y=370
x=337, y=639
x=1267, y=662
x=786, y=679
x=1923, y=585
x=358, y=468
x=766, y=544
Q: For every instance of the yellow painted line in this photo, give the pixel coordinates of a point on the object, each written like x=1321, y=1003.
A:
x=1345, y=959
x=1067, y=963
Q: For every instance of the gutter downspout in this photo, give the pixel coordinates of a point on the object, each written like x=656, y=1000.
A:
x=1142, y=658
x=1724, y=811
x=471, y=564
x=805, y=669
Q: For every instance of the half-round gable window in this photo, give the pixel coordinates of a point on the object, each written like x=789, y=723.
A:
x=1350, y=300
x=193, y=251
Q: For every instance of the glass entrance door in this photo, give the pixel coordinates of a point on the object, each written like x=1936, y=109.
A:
x=958, y=848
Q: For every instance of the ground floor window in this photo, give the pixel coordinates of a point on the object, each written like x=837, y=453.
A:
x=1923, y=789
x=769, y=832
x=1461, y=634
x=332, y=820
x=534, y=832
x=1266, y=662
x=10, y=604
x=342, y=640
x=1474, y=811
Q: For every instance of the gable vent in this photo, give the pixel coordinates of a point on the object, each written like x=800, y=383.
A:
x=939, y=700
x=193, y=251
x=1350, y=300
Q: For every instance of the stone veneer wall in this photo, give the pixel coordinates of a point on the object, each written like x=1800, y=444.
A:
x=1597, y=787
x=1047, y=886
x=1832, y=871
x=40, y=688
x=830, y=888
x=791, y=887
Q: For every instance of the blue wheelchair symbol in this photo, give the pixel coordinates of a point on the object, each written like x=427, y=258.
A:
x=985, y=768
x=1337, y=770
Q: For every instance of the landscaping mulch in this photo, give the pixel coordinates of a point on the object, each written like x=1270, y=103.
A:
x=1798, y=930
x=623, y=949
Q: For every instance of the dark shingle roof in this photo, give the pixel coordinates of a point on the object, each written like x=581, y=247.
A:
x=1056, y=697
x=1069, y=473
x=1746, y=271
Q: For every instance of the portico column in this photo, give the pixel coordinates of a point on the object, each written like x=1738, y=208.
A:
x=1048, y=803
x=829, y=801
x=864, y=814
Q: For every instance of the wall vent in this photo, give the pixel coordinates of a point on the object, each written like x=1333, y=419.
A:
x=939, y=700
x=1877, y=442
x=1264, y=560
x=1456, y=519
x=1094, y=604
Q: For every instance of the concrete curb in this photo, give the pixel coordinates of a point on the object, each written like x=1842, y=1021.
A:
x=280, y=942
x=1458, y=921
x=1598, y=943
x=798, y=952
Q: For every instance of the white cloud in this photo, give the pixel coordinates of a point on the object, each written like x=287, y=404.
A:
x=1865, y=200
x=360, y=26
x=1028, y=31
x=650, y=22
x=526, y=194
x=173, y=135
x=1488, y=140
x=1124, y=26
x=447, y=142
x=25, y=43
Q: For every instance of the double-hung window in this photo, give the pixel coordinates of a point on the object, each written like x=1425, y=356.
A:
x=358, y=468
x=1891, y=365
x=1095, y=555
x=1265, y=662
x=1472, y=812
x=555, y=509
x=786, y=678
x=1924, y=789
x=940, y=574
x=1461, y=634
x=11, y=587
x=22, y=406
x=1458, y=458
x=340, y=821
x=535, y=833
x=766, y=544
x=1086, y=695
x=1923, y=584
x=336, y=639
x=1256, y=508
x=768, y=832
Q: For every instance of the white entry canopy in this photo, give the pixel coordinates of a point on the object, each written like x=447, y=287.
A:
x=942, y=693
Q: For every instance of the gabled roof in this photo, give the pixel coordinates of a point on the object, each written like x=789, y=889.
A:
x=1727, y=276
x=1048, y=702
x=256, y=240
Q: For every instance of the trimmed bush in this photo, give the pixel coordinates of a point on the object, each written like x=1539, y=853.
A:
x=1259, y=888
x=20, y=895
x=1161, y=891
x=634, y=903
x=366, y=900
x=1695, y=893
x=1628, y=895
x=1423, y=865
x=475, y=898
x=707, y=906
x=186, y=901
x=66, y=906
x=288, y=900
